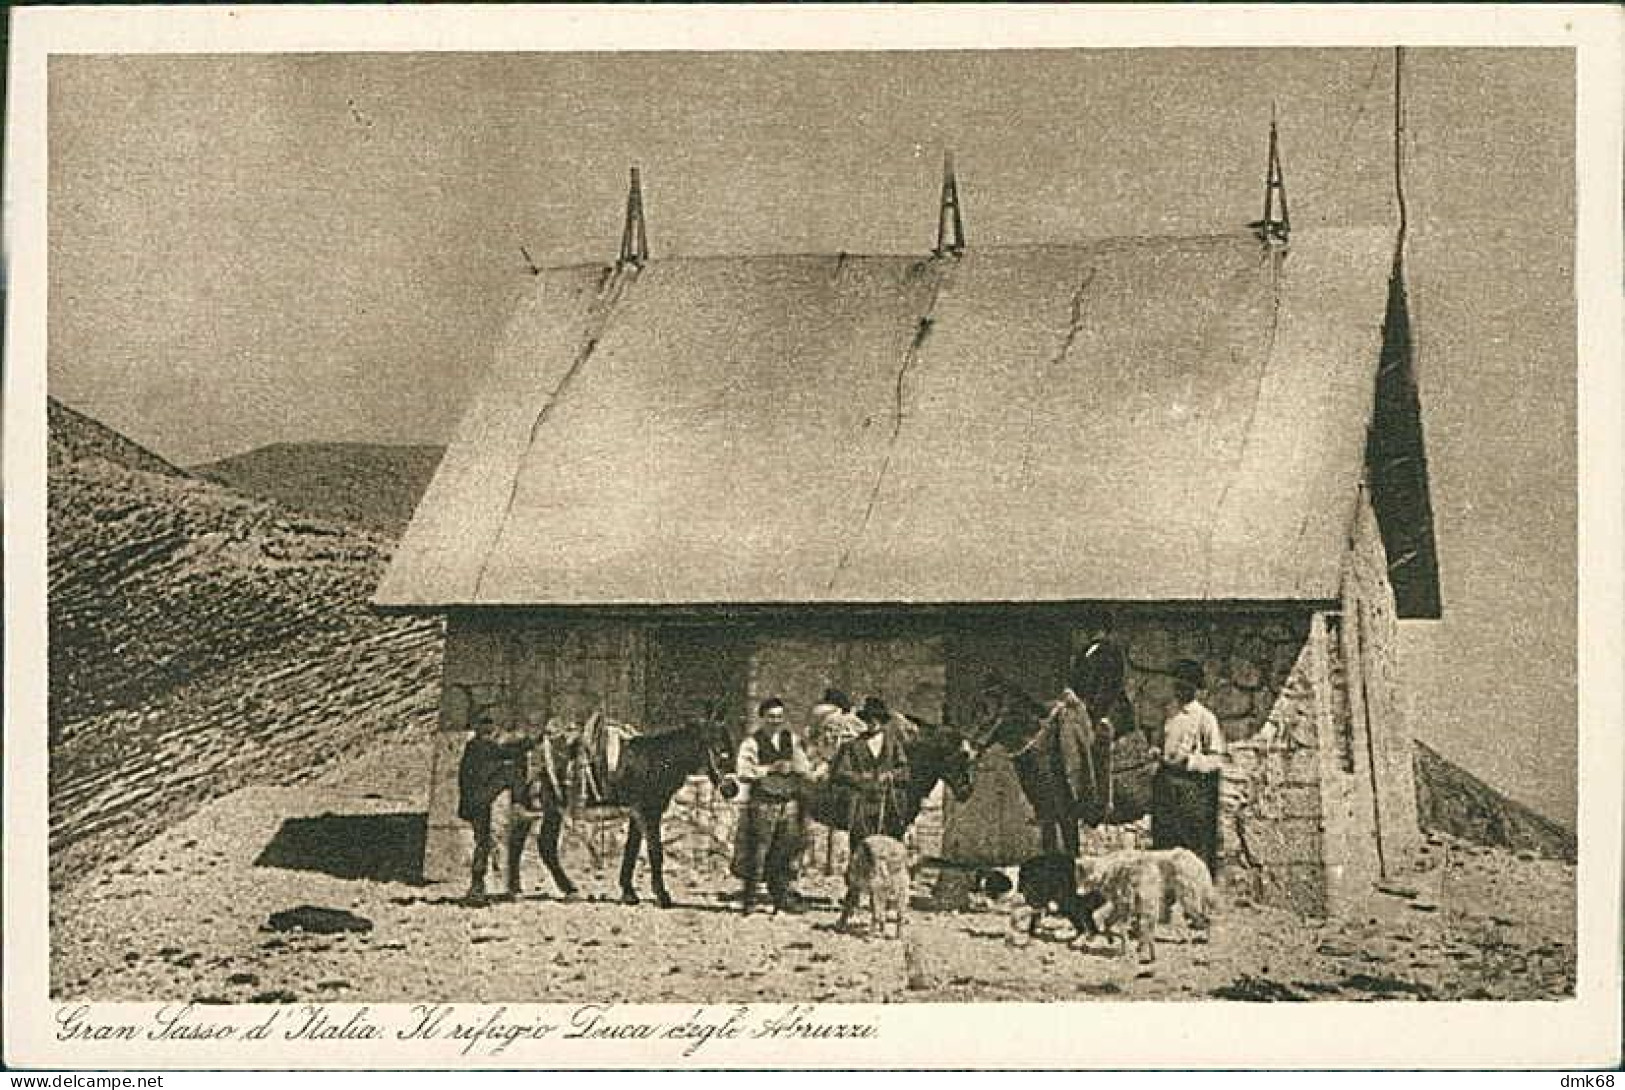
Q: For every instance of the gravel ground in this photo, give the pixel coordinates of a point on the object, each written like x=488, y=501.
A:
x=183, y=918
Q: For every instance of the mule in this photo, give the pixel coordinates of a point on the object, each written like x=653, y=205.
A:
x=652, y=768
x=1109, y=783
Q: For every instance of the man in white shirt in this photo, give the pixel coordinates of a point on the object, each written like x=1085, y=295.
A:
x=1185, y=794
x=772, y=767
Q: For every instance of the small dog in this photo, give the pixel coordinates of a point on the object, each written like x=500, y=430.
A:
x=1139, y=889
x=1051, y=880
x=879, y=867
x=993, y=884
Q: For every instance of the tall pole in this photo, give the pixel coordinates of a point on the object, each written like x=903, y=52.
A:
x=950, y=225
x=1399, y=138
x=634, y=242
x=1276, y=223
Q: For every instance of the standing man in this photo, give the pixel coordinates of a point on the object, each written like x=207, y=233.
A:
x=491, y=764
x=871, y=771
x=772, y=768
x=1185, y=793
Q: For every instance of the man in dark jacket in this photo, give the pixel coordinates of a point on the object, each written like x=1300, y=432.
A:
x=491, y=764
x=872, y=773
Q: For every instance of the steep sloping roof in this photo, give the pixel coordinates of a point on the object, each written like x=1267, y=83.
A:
x=1133, y=419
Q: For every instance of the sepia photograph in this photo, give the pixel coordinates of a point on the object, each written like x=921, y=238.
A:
x=718, y=526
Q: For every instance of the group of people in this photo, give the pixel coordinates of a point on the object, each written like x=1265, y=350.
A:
x=867, y=771
x=857, y=759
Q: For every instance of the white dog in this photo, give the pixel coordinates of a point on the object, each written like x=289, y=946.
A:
x=1139, y=889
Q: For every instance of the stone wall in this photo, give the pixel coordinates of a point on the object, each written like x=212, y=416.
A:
x=1281, y=841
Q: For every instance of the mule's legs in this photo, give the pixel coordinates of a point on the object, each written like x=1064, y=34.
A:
x=657, y=857
x=547, y=842
x=629, y=860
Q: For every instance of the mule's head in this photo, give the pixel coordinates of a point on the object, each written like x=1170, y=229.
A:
x=1003, y=714
x=946, y=754
x=959, y=769
x=718, y=743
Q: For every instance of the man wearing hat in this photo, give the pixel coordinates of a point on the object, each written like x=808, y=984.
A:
x=772, y=768
x=833, y=725
x=491, y=764
x=1185, y=793
x=871, y=771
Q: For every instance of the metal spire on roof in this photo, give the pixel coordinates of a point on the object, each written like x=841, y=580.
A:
x=950, y=226
x=1276, y=225
x=634, y=242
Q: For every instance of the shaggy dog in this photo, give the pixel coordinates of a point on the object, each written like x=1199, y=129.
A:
x=878, y=867
x=1134, y=893
x=1051, y=881
x=1139, y=890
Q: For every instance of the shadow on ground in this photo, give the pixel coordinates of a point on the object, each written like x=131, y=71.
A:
x=382, y=847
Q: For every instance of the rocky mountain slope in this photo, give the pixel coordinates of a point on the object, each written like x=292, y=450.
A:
x=358, y=484
x=75, y=436
x=1449, y=799
x=201, y=641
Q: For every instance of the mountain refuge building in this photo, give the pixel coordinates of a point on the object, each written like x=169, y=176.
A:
x=686, y=480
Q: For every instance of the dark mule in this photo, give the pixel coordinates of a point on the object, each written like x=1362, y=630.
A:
x=652, y=768
x=935, y=754
x=1093, y=783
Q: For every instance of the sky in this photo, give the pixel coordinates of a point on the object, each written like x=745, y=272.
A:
x=262, y=248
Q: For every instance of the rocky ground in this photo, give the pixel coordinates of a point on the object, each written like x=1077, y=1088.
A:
x=184, y=918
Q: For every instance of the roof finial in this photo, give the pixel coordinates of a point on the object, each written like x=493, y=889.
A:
x=950, y=227
x=1276, y=225
x=634, y=243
